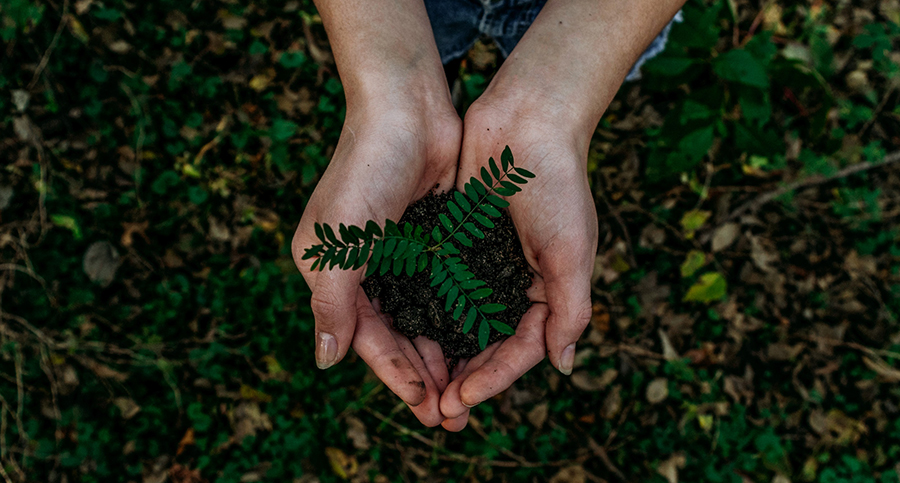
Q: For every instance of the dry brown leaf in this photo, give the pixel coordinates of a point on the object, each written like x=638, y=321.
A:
x=657, y=390
x=881, y=368
x=247, y=419
x=186, y=440
x=612, y=404
x=724, y=236
x=344, y=466
x=763, y=253
x=127, y=406
x=101, y=260
x=570, y=474
x=538, y=415
x=669, y=468
x=356, y=433
x=588, y=382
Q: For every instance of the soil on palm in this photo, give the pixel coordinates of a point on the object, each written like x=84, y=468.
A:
x=414, y=305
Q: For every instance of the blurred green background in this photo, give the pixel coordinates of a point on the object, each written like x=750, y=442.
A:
x=156, y=159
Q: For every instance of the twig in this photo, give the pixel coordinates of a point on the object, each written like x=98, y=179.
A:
x=519, y=459
x=600, y=452
x=813, y=180
x=853, y=345
x=878, y=110
x=403, y=429
x=46, y=57
x=618, y=217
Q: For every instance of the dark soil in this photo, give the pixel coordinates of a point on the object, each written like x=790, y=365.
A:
x=417, y=310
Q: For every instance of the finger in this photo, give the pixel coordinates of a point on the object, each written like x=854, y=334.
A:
x=334, y=306
x=376, y=346
x=456, y=424
x=451, y=406
x=428, y=412
x=516, y=356
x=568, y=289
x=537, y=292
x=433, y=356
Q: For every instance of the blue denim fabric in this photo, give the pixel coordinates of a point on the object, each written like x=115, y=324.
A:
x=457, y=24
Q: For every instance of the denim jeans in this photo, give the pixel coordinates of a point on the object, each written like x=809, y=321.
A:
x=457, y=24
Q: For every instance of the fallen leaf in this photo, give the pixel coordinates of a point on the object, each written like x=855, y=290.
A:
x=344, y=466
x=724, y=236
x=248, y=419
x=657, y=390
x=881, y=368
x=588, y=382
x=186, y=440
x=710, y=288
x=570, y=474
x=612, y=404
x=669, y=352
x=763, y=253
x=356, y=433
x=538, y=415
x=101, y=260
x=127, y=406
x=695, y=260
x=693, y=220
x=668, y=469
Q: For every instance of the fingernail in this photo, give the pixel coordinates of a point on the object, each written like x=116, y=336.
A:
x=567, y=359
x=326, y=350
x=470, y=407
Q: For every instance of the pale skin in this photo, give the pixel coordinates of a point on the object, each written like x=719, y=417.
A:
x=402, y=137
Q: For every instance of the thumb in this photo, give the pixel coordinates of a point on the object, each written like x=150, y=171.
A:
x=568, y=290
x=333, y=304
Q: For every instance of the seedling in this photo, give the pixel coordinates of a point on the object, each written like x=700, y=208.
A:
x=412, y=249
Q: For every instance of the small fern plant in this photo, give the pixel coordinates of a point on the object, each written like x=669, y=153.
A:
x=411, y=249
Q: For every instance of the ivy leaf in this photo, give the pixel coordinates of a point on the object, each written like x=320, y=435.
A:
x=710, y=288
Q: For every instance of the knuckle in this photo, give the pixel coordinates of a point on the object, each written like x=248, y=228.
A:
x=325, y=306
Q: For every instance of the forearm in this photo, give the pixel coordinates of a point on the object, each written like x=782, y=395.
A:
x=384, y=50
x=574, y=57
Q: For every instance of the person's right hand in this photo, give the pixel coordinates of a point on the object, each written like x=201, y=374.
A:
x=389, y=155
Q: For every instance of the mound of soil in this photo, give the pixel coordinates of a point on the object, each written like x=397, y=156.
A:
x=414, y=305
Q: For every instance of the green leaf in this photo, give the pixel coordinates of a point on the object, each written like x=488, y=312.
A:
x=480, y=188
x=497, y=201
x=740, y=66
x=710, y=288
x=485, y=221
x=504, y=191
x=436, y=234
x=501, y=327
x=407, y=230
x=448, y=225
x=346, y=236
x=506, y=158
x=470, y=319
x=471, y=192
x=363, y=255
x=377, y=250
x=490, y=210
x=471, y=284
x=450, y=248
x=372, y=228
x=315, y=264
x=445, y=287
x=693, y=262
x=391, y=229
x=438, y=277
x=282, y=130
x=423, y=262
x=524, y=173
x=329, y=232
x=292, y=60
x=351, y=257
x=319, y=233
x=451, y=297
x=400, y=251
x=484, y=332
x=696, y=144
x=398, y=267
x=480, y=293
x=389, y=247
x=473, y=229
x=510, y=186
x=312, y=251
x=410, y=266
x=494, y=170
x=463, y=239
x=460, y=306
x=371, y=269
x=492, y=308
x=384, y=266
x=516, y=179
x=454, y=210
x=461, y=201
x=486, y=177
x=358, y=232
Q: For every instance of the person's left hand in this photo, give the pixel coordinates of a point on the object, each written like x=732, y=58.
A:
x=556, y=221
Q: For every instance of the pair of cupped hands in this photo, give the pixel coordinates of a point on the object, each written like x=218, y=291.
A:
x=392, y=151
